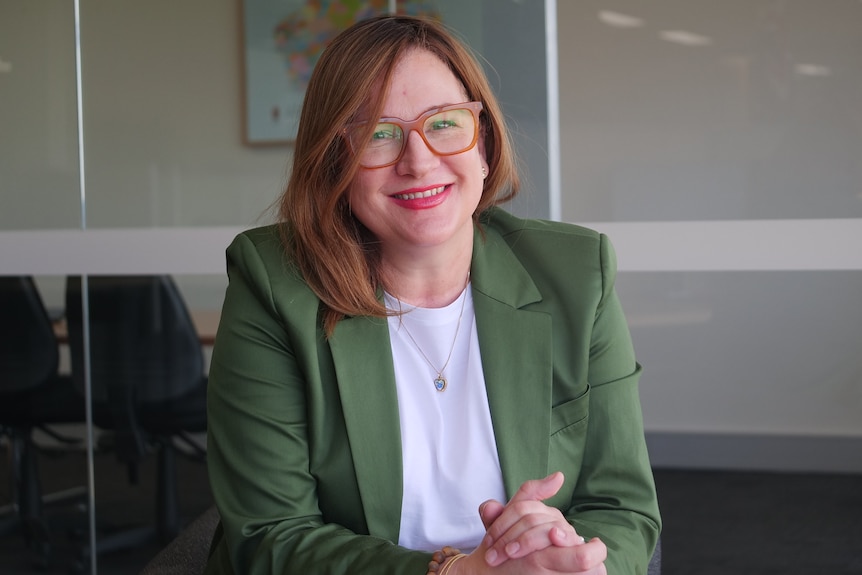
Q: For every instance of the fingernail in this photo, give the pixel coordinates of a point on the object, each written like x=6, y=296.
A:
x=512, y=548
x=490, y=557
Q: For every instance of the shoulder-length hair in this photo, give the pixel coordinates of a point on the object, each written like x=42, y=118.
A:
x=336, y=254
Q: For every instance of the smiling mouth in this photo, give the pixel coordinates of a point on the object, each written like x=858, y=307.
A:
x=420, y=195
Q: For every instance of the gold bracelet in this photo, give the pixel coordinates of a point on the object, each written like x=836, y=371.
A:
x=448, y=564
x=440, y=557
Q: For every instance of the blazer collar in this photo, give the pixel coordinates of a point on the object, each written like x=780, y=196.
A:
x=516, y=358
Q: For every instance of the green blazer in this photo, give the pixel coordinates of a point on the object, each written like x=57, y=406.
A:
x=304, y=447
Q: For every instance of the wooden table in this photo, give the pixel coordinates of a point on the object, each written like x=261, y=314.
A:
x=206, y=324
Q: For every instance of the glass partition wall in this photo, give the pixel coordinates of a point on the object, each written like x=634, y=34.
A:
x=44, y=481
x=719, y=146
x=148, y=177
x=135, y=162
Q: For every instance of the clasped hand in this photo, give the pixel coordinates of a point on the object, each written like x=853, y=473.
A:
x=525, y=536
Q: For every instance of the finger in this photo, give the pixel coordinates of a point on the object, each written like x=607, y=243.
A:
x=515, y=518
x=534, y=490
x=590, y=556
x=523, y=512
x=489, y=511
x=539, y=489
x=561, y=537
x=531, y=532
x=541, y=537
x=586, y=559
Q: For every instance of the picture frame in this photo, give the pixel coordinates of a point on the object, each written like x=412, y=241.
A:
x=281, y=41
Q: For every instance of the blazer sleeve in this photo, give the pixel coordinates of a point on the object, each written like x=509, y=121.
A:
x=615, y=498
x=258, y=436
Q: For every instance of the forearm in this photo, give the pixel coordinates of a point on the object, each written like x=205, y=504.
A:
x=615, y=496
x=318, y=549
x=266, y=474
x=268, y=499
x=630, y=542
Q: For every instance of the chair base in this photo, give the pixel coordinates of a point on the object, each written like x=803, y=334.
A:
x=168, y=522
x=27, y=512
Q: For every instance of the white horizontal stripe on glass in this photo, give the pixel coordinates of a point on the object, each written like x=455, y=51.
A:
x=737, y=245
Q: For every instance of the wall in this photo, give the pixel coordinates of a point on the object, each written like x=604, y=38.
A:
x=667, y=147
x=162, y=126
x=725, y=164
x=162, y=133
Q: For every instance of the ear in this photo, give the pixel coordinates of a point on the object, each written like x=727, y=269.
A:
x=481, y=145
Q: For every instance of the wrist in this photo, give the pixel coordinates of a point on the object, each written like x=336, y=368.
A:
x=448, y=565
x=440, y=559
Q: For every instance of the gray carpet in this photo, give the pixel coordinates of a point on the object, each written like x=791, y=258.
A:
x=760, y=523
x=715, y=522
x=120, y=505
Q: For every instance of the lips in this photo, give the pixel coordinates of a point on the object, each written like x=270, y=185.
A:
x=420, y=195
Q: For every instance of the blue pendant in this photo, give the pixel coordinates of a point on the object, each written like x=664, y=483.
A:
x=440, y=383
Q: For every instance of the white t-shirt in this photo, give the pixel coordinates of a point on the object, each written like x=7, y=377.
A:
x=450, y=456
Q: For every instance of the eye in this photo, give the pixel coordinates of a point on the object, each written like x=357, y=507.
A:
x=385, y=132
x=448, y=120
x=443, y=123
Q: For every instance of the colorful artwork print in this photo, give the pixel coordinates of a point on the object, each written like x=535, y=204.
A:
x=304, y=33
x=297, y=34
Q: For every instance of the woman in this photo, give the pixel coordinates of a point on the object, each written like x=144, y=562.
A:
x=401, y=366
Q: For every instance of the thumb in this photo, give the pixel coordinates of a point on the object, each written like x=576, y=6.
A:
x=539, y=489
x=489, y=511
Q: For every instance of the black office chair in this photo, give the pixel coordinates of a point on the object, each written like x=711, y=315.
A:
x=147, y=382
x=32, y=395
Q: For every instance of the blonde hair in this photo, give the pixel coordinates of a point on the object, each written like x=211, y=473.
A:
x=338, y=256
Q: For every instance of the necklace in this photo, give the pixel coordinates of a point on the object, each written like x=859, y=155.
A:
x=440, y=382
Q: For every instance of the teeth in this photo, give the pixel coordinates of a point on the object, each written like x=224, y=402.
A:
x=425, y=194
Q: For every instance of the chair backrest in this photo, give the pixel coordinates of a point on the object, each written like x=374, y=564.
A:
x=141, y=335
x=28, y=346
x=143, y=351
x=655, y=563
x=189, y=552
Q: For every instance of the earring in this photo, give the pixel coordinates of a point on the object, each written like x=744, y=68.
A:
x=484, y=172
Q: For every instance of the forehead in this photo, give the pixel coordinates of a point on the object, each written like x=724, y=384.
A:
x=420, y=81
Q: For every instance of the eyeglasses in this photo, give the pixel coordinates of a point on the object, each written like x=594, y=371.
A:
x=446, y=131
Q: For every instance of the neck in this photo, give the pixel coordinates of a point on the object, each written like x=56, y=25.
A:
x=427, y=281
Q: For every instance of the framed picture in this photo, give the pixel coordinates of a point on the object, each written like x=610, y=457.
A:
x=281, y=42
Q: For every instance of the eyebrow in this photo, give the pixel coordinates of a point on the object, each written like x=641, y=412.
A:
x=431, y=109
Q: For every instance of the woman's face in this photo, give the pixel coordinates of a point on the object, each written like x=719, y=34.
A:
x=448, y=187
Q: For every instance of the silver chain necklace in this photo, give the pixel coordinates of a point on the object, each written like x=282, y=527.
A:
x=440, y=382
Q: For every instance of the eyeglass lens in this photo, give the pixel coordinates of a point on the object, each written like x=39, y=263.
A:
x=446, y=132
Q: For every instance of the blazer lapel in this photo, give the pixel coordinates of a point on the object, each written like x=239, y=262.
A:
x=366, y=380
x=516, y=358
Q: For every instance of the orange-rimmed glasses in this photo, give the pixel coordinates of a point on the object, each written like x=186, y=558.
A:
x=446, y=131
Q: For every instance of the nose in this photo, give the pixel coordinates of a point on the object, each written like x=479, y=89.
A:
x=417, y=158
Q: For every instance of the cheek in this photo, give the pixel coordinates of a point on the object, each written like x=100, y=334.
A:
x=360, y=197
x=358, y=192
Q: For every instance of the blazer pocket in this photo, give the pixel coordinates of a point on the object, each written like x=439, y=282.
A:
x=571, y=415
x=566, y=445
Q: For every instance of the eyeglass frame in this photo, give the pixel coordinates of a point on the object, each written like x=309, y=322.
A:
x=416, y=125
